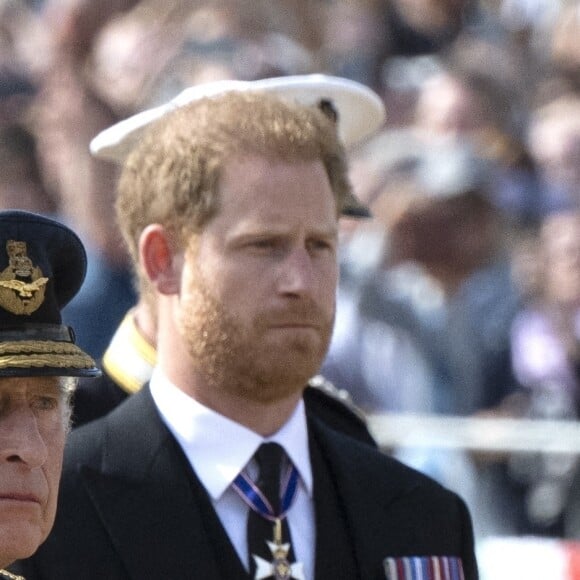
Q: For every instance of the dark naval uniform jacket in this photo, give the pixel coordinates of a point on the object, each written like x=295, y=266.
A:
x=131, y=508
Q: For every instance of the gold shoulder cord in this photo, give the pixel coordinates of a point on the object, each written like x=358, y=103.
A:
x=6, y=574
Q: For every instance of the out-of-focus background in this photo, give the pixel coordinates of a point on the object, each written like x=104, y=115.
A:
x=460, y=297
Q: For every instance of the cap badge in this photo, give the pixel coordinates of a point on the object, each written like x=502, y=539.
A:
x=22, y=284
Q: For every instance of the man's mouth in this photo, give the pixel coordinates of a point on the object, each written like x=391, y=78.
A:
x=19, y=497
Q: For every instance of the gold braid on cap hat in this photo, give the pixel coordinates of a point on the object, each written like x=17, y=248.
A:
x=35, y=353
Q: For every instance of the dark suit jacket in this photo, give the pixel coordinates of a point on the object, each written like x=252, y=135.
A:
x=130, y=508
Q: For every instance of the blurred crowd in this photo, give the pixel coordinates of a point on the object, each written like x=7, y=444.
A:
x=461, y=295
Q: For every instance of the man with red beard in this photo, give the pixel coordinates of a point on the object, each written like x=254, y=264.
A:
x=229, y=201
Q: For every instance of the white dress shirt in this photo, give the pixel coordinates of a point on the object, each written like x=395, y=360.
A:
x=218, y=449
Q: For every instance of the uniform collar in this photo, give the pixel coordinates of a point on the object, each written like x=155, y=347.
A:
x=129, y=358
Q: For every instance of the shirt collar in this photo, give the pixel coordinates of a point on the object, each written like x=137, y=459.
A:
x=219, y=448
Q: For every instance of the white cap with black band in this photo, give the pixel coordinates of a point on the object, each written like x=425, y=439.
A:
x=361, y=111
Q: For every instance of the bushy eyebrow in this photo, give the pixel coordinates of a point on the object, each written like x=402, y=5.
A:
x=34, y=386
x=259, y=231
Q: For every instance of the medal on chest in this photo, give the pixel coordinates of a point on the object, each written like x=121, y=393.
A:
x=279, y=568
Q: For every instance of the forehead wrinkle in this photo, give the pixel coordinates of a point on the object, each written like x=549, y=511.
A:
x=256, y=179
x=26, y=385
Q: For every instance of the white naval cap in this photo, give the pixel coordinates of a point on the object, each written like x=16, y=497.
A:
x=360, y=110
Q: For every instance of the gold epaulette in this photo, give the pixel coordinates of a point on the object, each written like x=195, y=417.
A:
x=129, y=358
x=6, y=574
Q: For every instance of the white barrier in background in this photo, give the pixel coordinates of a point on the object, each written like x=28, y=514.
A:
x=528, y=559
x=494, y=435
x=499, y=558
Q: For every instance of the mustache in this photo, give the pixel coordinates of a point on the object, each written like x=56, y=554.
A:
x=307, y=313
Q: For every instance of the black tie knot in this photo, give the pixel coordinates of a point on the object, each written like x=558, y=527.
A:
x=270, y=457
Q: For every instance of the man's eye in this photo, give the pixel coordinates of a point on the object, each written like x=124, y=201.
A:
x=264, y=243
x=44, y=403
x=267, y=245
x=317, y=245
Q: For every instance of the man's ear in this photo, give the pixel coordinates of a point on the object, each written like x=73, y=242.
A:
x=158, y=259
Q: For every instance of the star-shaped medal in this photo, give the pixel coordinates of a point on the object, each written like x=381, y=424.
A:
x=279, y=568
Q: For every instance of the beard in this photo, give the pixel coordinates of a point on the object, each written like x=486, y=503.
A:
x=245, y=360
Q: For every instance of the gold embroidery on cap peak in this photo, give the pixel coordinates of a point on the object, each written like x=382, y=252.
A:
x=55, y=361
x=22, y=284
x=32, y=353
x=38, y=346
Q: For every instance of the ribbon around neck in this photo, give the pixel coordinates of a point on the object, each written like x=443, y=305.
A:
x=257, y=501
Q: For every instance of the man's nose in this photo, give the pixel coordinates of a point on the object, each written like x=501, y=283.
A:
x=21, y=440
x=297, y=272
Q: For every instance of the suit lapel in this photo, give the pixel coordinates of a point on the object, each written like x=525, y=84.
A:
x=142, y=493
x=365, y=499
x=334, y=543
